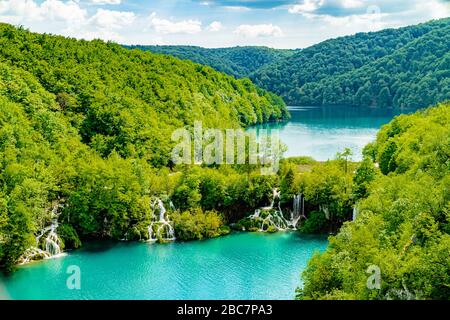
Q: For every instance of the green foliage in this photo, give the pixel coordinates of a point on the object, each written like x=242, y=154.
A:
x=316, y=223
x=364, y=175
x=197, y=224
x=69, y=236
x=224, y=189
x=300, y=160
x=237, y=61
x=387, y=159
x=402, y=68
x=132, y=104
x=402, y=225
x=328, y=187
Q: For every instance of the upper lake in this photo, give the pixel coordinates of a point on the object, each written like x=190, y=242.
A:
x=321, y=132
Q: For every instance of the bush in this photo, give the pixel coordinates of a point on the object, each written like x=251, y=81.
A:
x=196, y=224
x=69, y=236
x=316, y=223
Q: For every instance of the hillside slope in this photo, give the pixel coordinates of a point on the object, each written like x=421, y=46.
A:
x=236, y=61
x=117, y=98
x=404, y=68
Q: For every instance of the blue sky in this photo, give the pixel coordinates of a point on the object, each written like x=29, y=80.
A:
x=218, y=23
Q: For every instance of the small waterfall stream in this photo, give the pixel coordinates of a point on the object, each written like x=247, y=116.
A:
x=298, y=211
x=271, y=218
x=160, y=229
x=48, y=244
x=355, y=212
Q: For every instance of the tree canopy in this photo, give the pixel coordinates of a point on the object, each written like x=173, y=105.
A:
x=240, y=62
x=405, y=68
x=402, y=227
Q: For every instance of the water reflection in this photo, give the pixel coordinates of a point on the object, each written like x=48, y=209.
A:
x=321, y=132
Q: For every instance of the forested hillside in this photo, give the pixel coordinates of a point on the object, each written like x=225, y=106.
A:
x=402, y=227
x=237, y=61
x=111, y=93
x=404, y=68
x=87, y=126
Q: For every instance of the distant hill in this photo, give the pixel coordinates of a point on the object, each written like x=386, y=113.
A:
x=237, y=61
x=405, y=68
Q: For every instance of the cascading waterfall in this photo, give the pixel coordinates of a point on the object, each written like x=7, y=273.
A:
x=298, y=211
x=272, y=218
x=161, y=229
x=355, y=212
x=51, y=242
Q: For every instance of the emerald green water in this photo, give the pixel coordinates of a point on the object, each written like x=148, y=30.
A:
x=321, y=132
x=238, y=266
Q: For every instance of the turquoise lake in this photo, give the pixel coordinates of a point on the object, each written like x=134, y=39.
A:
x=321, y=132
x=238, y=266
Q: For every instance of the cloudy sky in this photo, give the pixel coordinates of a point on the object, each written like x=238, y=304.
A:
x=218, y=23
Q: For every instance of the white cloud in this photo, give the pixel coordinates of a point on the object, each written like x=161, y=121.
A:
x=108, y=19
x=258, y=30
x=100, y=2
x=434, y=9
x=362, y=22
x=236, y=8
x=67, y=18
x=215, y=26
x=69, y=11
x=350, y=4
x=19, y=11
x=167, y=26
x=314, y=5
x=306, y=6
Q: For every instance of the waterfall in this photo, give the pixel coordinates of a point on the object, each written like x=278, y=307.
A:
x=276, y=194
x=298, y=212
x=162, y=210
x=160, y=229
x=256, y=214
x=52, y=242
x=355, y=213
x=272, y=216
x=33, y=254
x=51, y=246
x=325, y=210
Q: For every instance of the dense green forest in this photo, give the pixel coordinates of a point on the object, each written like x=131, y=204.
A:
x=403, y=222
x=405, y=68
x=236, y=61
x=87, y=125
